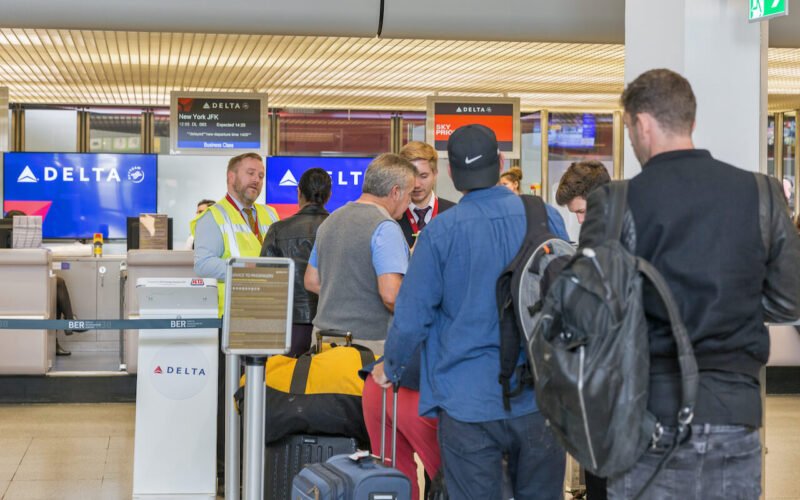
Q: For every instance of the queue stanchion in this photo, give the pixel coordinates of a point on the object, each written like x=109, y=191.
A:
x=256, y=323
x=233, y=429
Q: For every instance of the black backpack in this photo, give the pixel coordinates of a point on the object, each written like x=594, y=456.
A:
x=590, y=357
x=523, y=281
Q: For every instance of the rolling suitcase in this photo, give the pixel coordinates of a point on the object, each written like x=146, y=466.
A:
x=285, y=457
x=350, y=477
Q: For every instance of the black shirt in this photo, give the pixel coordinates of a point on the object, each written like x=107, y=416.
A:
x=696, y=219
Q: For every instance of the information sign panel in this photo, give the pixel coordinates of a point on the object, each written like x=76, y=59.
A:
x=766, y=9
x=257, y=316
x=217, y=123
x=446, y=114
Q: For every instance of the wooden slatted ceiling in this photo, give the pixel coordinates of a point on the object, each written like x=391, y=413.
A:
x=131, y=68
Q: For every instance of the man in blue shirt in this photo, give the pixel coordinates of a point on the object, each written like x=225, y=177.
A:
x=447, y=304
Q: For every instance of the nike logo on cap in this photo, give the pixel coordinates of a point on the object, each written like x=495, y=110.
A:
x=469, y=160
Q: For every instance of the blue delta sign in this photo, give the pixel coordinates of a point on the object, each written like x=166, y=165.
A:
x=284, y=172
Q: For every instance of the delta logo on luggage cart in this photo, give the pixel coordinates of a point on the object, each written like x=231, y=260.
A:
x=179, y=371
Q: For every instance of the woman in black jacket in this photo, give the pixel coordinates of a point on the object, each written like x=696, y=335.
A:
x=294, y=237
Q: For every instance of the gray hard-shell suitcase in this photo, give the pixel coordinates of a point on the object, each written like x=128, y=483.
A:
x=285, y=457
x=343, y=477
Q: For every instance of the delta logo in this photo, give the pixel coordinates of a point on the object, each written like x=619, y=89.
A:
x=80, y=174
x=180, y=370
x=197, y=282
x=340, y=179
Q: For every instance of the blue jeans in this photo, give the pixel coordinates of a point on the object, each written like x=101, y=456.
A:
x=472, y=457
x=718, y=462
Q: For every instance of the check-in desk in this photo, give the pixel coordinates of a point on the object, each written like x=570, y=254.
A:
x=95, y=292
x=150, y=264
x=784, y=347
x=27, y=291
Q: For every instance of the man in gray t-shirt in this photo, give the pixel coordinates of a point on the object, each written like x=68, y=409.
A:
x=360, y=255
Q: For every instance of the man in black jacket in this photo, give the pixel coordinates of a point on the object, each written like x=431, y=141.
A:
x=723, y=241
x=425, y=205
x=294, y=237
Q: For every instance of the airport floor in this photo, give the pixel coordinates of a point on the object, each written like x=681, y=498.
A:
x=85, y=452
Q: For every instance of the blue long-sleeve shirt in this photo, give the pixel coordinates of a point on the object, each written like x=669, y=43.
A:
x=447, y=305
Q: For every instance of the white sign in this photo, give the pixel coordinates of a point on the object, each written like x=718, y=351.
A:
x=179, y=371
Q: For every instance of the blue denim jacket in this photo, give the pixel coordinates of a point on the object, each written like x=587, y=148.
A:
x=447, y=305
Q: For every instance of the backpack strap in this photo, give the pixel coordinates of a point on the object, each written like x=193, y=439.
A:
x=535, y=215
x=689, y=373
x=510, y=341
x=617, y=202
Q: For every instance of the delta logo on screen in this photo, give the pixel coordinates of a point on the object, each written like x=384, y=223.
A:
x=80, y=194
x=284, y=173
x=449, y=116
x=135, y=174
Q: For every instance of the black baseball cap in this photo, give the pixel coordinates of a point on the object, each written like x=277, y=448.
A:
x=474, y=157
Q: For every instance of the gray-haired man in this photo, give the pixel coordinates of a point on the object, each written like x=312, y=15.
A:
x=360, y=255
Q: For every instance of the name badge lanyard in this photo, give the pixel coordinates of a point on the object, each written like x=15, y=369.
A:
x=413, y=220
x=255, y=217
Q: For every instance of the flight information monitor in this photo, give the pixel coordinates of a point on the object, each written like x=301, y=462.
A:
x=217, y=123
x=501, y=114
x=79, y=194
x=257, y=314
x=284, y=172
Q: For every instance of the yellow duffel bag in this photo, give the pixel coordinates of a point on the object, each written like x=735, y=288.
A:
x=318, y=392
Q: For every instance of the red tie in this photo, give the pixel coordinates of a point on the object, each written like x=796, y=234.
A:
x=252, y=221
x=421, y=212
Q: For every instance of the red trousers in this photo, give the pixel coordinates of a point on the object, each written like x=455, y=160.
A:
x=414, y=433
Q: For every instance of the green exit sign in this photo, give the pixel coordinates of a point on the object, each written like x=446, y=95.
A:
x=765, y=9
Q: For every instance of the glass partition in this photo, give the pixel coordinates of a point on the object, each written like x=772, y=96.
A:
x=575, y=137
x=531, y=151
x=320, y=132
x=115, y=130
x=51, y=130
x=789, y=152
x=161, y=131
x=771, y=145
x=413, y=126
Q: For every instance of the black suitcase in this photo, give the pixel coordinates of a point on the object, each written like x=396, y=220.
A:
x=345, y=477
x=285, y=457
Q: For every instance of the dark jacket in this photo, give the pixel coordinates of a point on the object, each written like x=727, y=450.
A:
x=405, y=224
x=294, y=237
x=699, y=222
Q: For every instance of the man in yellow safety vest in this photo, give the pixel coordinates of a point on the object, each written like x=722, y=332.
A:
x=234, y=227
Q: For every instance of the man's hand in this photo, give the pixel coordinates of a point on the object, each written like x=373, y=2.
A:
x=380, y=377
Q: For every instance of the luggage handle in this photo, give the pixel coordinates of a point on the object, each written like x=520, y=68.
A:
x=343, y=334
x=395, y=387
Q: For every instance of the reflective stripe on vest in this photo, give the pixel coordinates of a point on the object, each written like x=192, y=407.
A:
x=238, y=238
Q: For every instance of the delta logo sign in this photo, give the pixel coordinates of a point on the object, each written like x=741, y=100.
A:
x=179, y=371
x=79, y=194
x=284, y=173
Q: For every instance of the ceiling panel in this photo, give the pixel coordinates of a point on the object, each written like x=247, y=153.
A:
x=140, y=68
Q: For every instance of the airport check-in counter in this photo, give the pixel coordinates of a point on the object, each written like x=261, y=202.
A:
x=95, y=293
x=784, y=349
x=150, y=264
x=27, y=291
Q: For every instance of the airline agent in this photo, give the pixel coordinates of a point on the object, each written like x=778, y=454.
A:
x=425, y=205
x=234, y=227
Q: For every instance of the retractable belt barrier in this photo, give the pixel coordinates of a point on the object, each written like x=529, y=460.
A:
x=110, y=324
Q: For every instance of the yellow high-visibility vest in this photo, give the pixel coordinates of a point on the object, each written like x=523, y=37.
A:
x=237, y=236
